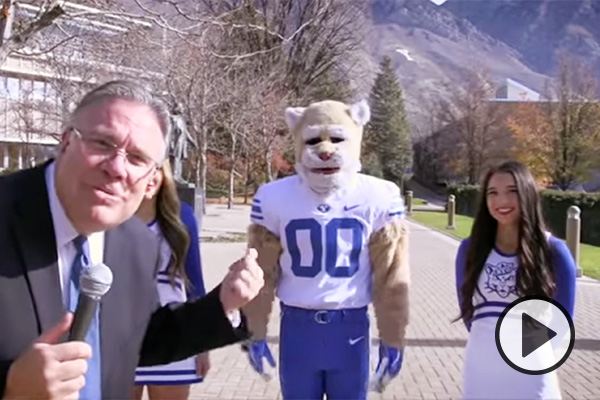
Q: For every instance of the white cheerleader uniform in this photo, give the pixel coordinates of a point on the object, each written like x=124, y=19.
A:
x=180, y=372
x=486, y=374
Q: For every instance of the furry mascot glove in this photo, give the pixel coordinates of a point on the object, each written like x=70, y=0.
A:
x=388, y=367
x=257, y=350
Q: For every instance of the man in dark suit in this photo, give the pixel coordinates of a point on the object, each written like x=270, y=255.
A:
x=110, y=149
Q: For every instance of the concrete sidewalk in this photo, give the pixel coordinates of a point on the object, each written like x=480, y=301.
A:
x=432, y=368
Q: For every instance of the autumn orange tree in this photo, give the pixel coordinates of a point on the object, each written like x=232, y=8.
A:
x=559, y=137
x=533, y=134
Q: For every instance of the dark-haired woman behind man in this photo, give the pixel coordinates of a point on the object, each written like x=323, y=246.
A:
x=179, y=279
x=508, y=255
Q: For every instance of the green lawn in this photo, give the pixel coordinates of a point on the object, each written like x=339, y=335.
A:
x=439, y=220
x=590, y=260
x=589, y=257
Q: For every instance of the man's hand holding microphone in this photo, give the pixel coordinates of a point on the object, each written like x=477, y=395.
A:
x=53, y=370
x=49, y=369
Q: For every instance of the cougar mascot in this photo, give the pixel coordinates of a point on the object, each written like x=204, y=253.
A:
x=331, y=241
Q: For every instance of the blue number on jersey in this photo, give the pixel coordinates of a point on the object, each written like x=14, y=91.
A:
x=331, y=246
x=314, y=229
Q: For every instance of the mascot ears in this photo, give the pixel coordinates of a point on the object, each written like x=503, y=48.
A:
x=360, y=112
x=293, y=115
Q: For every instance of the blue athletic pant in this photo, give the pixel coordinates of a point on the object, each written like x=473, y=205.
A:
x=324, y=353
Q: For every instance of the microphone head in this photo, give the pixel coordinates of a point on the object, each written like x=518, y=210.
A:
x=96, y=280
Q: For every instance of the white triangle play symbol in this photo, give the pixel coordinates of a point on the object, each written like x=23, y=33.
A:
x=533, y=334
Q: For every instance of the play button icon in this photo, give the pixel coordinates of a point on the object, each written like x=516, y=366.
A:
x=535, y=335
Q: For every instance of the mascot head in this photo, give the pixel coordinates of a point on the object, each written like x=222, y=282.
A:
x=327, y=137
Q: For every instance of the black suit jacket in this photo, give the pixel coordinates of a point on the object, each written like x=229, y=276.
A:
x=134, y=330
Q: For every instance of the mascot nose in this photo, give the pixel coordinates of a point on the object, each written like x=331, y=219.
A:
x=324, y=156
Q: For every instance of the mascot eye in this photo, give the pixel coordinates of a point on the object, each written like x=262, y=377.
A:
x=313, y=141
x=336, y=140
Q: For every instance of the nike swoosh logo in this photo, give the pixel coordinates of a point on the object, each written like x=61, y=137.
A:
x=354, y=341
x=346, y=208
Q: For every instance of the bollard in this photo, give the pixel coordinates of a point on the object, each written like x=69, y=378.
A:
x=574, y=235
x=451, y=212
x=409, y=202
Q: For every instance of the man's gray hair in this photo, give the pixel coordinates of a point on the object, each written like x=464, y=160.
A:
x=133, y=91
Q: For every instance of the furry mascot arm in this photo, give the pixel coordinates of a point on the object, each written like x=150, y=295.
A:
x=258, y=311
x=388, y=248
x=389, y=257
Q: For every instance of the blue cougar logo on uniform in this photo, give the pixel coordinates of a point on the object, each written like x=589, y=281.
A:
x=502, y=278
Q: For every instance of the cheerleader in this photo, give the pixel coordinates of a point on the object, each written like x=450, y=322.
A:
x=179, y=279
x=508, y=255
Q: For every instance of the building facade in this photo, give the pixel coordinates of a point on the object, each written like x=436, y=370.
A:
x=39, y=87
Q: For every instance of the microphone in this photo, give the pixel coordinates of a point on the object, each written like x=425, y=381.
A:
x=94, y=283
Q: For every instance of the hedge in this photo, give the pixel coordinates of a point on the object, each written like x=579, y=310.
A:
x=216, y=191
x=555, y=204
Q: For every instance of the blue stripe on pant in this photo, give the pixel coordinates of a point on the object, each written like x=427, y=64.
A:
x=324, y=352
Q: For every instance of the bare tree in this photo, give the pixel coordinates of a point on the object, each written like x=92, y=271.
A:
x=80, y=48
x=236, y=118
x=429, y=149
x=475, y=122
x=14, y=35
x=318, y=40
x=194, y=80
x=235, y=64
x=22, y=23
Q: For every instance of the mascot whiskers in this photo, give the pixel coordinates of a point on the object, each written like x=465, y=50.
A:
x=331, y=241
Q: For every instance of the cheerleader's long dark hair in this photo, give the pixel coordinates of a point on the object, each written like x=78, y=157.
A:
x=173, y=229
x=535, y=275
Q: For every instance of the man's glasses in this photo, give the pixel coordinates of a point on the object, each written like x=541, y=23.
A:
x=137, y=163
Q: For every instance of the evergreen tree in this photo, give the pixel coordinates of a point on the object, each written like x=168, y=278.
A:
x=388, y=133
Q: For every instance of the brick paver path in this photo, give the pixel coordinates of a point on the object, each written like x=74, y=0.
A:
x=432, y=368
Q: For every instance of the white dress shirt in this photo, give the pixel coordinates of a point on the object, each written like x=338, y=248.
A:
x=65, y=233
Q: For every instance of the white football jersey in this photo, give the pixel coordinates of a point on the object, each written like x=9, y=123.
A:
x=325, y=262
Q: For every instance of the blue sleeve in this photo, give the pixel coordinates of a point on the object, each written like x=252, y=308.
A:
x=193, y=264
x=460, y=266
x=262, y=213
x=565, y=273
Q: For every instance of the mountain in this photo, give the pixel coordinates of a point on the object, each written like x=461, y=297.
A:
x=539, y=29
x=517, y=39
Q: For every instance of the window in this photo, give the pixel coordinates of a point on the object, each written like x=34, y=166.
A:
x=39, y=90
x=12, y=88
x=26, y=89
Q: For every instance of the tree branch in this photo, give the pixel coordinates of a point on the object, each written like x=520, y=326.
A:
x=19, y=40
x=46, y=51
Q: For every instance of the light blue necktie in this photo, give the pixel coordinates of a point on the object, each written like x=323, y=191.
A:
x=93, y=378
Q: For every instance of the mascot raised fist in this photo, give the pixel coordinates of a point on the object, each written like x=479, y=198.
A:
x=331, y=241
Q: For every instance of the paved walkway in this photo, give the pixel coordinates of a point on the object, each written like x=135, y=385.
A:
x=432, y=368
